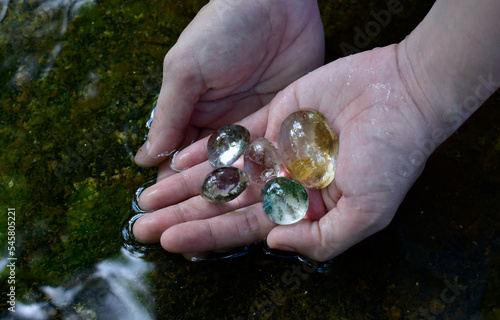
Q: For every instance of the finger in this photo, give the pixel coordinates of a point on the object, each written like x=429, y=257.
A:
x=230, y=230
x=190, y=156
x=197, y=152
x=334, y=233
x=175, y=189
x=149, y=227
x=180, y=91
x=172, y=188
x=166, y=168
x=164, y=171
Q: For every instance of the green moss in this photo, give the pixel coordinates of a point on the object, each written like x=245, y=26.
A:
x=70, y=131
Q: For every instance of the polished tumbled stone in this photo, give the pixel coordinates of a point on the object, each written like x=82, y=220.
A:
x=309, y=148
x=224, y=184
x=227, y=144
x=285, y=201
x=262, y=161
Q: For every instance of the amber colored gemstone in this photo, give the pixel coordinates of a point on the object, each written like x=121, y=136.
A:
x=226, y=145
x=224, y=184
x=309, y=148
x=262, y=160
x=285, y=201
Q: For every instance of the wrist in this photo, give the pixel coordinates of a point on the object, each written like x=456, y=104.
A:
x=450, y=63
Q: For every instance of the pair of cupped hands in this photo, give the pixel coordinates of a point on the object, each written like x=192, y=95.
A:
x=254, y=63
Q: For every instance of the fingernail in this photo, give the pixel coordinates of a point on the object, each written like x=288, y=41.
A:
x=176, y=159
x=172, y=162
x=143, y=199
x=150, y=154
x=143, y=151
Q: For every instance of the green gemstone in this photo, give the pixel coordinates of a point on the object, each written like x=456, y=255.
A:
x=285, y=201
x=224, y=184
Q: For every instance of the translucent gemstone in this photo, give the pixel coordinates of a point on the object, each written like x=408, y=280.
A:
x=262, y=160
x=227, y=144
x=284, y=200
x=309, y=148
x=224, y=184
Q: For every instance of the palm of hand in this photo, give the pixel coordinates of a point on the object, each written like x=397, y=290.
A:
x=230, y=61
x=378, y=125
x=247, y=56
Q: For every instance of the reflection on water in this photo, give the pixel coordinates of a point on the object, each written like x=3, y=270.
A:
x=115, y=289
x=3, y=10
x=56, y=14
x=43, y=27
x=139, y=249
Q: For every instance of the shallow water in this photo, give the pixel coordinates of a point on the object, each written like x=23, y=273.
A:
x=78, y=82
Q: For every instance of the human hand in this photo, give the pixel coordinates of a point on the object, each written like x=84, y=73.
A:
x=230, y=61
x=379, y=128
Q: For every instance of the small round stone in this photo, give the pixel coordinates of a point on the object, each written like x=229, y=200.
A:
x=227, y=144
x=309, y=148
x=224, y=184
x=285, y=201
x=262, y=160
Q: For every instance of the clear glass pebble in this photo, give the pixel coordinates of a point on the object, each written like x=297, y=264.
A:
x=262, y=161
x=309, y=148
x=227, y=144
x=224, y=184
x=285, y=201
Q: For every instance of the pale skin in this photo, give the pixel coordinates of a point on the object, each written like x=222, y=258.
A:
x=230, y=61
x=382, y=104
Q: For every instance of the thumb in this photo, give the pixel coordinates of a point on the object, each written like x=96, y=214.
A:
x=305, y=237
x=322, y=240
x=179, y=94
